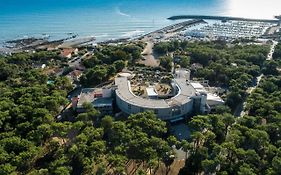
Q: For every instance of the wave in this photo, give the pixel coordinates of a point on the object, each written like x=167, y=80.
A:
x=102, y=35
x=119, y=12
x=133, y=33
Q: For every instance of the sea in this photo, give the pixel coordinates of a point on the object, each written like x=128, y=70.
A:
x=112, y=19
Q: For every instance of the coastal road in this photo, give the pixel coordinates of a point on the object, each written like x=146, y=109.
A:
x=241, y=109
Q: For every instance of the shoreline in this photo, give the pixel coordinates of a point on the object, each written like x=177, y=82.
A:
x=73, y=40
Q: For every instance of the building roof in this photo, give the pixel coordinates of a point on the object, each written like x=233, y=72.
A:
x=94, y=96
x=66, y=52
x=123, y=91
x=87, y=95
x=213, y=100
x=75, y=74
x=197, y=85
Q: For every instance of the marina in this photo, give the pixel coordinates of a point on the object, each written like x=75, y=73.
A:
x=231, y=30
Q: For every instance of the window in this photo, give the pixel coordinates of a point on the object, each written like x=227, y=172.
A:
x=156, y=111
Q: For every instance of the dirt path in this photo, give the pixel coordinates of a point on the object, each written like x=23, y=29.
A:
x=148, y=55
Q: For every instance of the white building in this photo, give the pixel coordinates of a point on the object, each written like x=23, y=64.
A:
x=186, y=100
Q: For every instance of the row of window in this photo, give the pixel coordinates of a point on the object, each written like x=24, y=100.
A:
x=175, y=111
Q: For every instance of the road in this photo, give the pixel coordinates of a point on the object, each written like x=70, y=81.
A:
x=241, y=109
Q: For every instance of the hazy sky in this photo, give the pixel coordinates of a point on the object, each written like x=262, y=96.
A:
x=253, y=8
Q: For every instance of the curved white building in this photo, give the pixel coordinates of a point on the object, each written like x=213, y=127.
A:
x=182, y=104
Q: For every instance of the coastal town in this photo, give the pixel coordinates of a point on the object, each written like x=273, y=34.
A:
x=198, y=66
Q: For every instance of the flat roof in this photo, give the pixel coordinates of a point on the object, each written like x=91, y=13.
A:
x=86, y=95
x=89, y=95
x=125, y=93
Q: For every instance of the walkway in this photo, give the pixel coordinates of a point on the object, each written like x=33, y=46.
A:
x=149, y=57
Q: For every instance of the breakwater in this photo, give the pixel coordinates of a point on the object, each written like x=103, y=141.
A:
x=222, y=18
x=174, y=27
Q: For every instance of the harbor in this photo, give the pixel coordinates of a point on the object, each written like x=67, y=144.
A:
x=228, y=28
x=231, y=30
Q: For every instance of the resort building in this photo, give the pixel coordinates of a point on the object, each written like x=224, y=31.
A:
x=179, y=99
x=188, y=98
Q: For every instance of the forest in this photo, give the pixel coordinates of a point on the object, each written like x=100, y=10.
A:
x=233, y=67
x=33, y=142
x=109, y=60
x=251, y=144
x=221, y=143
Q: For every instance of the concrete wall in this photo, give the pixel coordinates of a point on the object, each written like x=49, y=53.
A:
x=162, y=113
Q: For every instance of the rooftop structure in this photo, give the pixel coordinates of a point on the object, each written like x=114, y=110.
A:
x=151, y=92
x=212, y=99
x=101, y=99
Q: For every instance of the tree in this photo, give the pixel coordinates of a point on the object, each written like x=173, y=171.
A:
x=148, y=123
x=228, y=120
x=166, y=62
x=7, y=169
x=62, y=171
x=161, y=48
x=120, y=55
x=245, y=169
x=168, y=159
x=61, y=129
x=95, y=75
x=222, y=109
x=233, y=99
x=119, y=65
x=209, y=166
x=107, y=123
x=184, y=61
x=91, y=62
x=270, y=68
x=185, y=146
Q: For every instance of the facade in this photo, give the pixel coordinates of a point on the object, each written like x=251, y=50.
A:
x=180, y=105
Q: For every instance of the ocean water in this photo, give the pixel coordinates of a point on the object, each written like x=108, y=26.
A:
x=111, y=19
